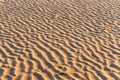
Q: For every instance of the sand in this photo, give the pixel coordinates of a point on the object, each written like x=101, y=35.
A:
x=59, y=39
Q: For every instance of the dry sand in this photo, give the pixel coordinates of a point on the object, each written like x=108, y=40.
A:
x=60, y=40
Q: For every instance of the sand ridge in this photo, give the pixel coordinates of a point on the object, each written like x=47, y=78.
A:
x=60, y=40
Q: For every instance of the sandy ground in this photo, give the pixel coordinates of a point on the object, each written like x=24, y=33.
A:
x=59, y=39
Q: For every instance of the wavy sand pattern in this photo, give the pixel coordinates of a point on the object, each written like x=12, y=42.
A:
x=60, y=40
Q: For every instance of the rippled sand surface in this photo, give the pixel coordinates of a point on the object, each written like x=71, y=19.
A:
x=59, y=39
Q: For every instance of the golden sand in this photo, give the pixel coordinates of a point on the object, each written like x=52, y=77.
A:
x=59, y=39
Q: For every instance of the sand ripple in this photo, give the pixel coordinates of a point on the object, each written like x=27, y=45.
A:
x=60, y=40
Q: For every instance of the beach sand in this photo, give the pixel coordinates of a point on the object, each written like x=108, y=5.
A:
x=59, y=39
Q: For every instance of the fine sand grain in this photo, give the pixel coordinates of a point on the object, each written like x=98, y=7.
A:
x=59, y=39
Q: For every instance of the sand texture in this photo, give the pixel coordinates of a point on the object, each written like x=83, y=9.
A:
x=59, y=39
